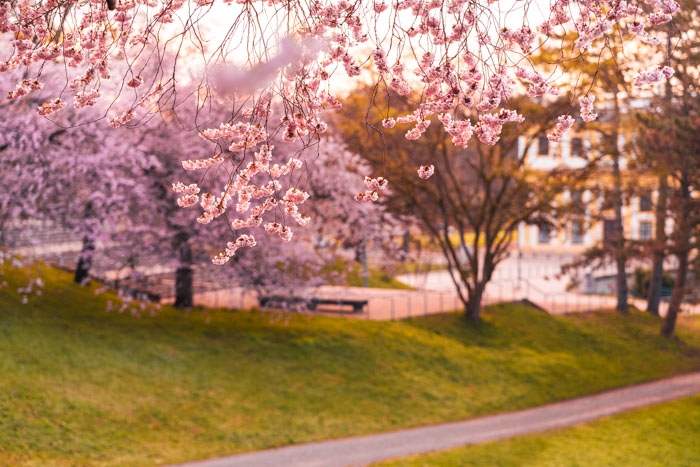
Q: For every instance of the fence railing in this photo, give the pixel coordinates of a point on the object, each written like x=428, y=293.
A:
x=400, y=304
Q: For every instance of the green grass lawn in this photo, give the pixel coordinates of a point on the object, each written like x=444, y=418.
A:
x=663, y=435
x=82, y=386
x=376, y=278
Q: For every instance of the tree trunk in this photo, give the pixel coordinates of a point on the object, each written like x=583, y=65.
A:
x=82, y=270
x=184, y=292
x=669, y=325
x=473, y=307
x=682, y=235
x=657, y=269
x=619, y=238
x=184, y=275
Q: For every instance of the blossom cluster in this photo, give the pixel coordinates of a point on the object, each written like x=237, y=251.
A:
x=231, y=248
x=460, y=130
x=47, y=108
x=198, y=164
x=488, y=130
x=24, y=87
x=125, y=117
x=374, y=186
x=189, y=194
x=586, y=104
x=86, y=98
x=564, y=123
x=653, y=75
x=538, y=85
x=524, y=37
x=254, y=199
x=243, y=135
x=462, y=63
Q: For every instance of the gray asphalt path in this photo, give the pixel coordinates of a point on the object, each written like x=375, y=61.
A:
x=362, y=450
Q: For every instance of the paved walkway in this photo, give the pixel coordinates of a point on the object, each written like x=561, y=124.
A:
x=362, y=450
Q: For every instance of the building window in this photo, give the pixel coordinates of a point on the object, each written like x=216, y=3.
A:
x=577, y=201
x=577, y=232
x=645, y=201
x=609, y=144
x=543, y=146
x=645, y=230
x=545, y=233
x=609, y=231
x=576, y=147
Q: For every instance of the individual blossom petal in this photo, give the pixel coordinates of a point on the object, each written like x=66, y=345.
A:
x=208, y=201
x=286, y=234
x=135, y=82
x=205, y=218
x=426, y=171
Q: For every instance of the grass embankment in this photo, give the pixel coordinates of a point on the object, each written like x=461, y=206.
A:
x=662, y=435
x=81, y=386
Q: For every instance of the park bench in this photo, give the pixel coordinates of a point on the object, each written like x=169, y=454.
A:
x=278, y=301
x=357, y=305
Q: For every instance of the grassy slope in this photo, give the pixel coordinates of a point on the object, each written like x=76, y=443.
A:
x=80, y=386
x=662, y=435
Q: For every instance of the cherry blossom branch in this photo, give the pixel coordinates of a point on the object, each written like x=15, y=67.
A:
x=466, y=59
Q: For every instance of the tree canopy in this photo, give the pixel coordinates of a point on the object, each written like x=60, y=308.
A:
x=277, y=66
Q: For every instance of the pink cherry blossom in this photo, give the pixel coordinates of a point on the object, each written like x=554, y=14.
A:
x=461, y=61
x=564, y=123
x=426, y=171
x=586, y=104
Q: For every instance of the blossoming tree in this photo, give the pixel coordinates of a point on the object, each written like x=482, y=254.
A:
x=458, y=55
x=668, y=145
x=323, y=190
x=337, y=225
x=63, y=174
x=470, y=201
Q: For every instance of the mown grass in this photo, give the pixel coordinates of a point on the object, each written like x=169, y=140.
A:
x=375, y=278
x=82, y=386
x=662, y=435
x=354, y=276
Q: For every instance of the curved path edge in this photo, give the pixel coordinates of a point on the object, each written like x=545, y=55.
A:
x=362, y=450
